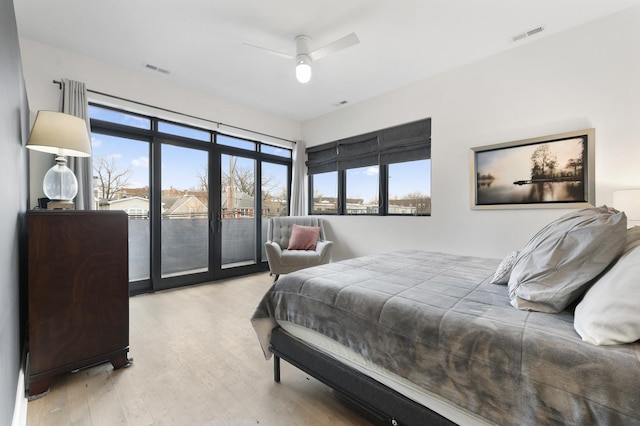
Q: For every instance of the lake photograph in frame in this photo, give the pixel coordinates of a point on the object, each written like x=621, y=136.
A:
x=549, y=171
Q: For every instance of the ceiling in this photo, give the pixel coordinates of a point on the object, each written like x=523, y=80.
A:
x=201, y=42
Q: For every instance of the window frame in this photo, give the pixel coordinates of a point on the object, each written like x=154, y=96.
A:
x=388, y=199
x=400, y=144
x=383, y=199
x=338, y=203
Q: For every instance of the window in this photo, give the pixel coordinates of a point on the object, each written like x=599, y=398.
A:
x=235, y=142
x=386, y=172
x=184, y=131
x=362, y=190
x=324, y=187
x=274, y=189
x=119, y=117
x=121, y=182
x=274, y=150
x=409, y=186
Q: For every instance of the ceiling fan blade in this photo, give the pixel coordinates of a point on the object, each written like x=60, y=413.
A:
x=340, y=44
x=273, y=52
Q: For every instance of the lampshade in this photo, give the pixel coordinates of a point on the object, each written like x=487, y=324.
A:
x=303, y=68
x=59, y=133
x=628, y=201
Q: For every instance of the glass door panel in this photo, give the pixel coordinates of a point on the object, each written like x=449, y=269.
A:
x=185, y=219
x=121, y=182
x=275, y=196
x=238, y=211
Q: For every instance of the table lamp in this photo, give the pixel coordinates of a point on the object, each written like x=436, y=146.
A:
x=63, y=135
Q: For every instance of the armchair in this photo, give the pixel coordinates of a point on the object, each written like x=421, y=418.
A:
x=281, y=259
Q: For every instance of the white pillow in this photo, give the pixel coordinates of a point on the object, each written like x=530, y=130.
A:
x=557, y=264
x=502, y=274
x=609, y=313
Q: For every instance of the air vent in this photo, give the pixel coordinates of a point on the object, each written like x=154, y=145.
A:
x=534, y=31
x=155, y=68
x=529, y=33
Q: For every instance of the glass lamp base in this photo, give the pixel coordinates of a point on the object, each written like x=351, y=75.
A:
x=59, y=182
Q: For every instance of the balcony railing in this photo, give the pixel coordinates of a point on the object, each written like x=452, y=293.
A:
x=185, y=247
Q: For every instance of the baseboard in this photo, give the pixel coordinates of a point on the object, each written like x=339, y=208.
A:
x=20, y=410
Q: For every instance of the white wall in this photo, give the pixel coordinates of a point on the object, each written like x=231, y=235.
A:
x=585, y=77
x=43, y=64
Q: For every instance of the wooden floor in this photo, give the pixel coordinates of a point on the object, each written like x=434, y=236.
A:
x=197, y=361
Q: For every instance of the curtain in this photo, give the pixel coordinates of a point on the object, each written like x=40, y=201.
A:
x=323, y=158
x=358, y=151
x=74, y=101
x=298, y=206
x=406, y=142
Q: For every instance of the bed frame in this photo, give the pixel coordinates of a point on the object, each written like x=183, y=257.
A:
x=383, y=404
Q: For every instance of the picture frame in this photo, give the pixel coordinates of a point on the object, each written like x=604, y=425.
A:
x=554, y=171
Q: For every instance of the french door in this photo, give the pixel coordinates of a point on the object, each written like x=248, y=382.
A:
x=205, y=234
x=238, y=211
x=116, y=187
x=197, y=200
x=184, y=212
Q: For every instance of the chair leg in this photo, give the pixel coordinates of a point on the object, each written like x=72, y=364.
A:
x=276, y=278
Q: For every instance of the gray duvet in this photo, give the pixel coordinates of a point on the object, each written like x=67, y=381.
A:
x=436, y=320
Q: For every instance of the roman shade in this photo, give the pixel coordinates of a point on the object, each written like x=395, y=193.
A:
x=322, y=158
x=358, y=151
x=406, y=142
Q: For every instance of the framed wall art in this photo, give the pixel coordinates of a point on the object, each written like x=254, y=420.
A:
x=555, y=171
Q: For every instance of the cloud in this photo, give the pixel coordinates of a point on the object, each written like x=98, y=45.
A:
x=140, y=162
x=95, y=142
x=372, y=171
x=132, y=120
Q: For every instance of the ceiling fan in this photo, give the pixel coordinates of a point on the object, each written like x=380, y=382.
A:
x=304, y=56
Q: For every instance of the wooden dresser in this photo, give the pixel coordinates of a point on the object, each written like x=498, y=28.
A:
x=78, y=292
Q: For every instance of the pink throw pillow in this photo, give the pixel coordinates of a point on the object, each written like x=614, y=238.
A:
x=304, y=237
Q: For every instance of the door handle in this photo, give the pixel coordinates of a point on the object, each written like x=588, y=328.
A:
x=216, y=223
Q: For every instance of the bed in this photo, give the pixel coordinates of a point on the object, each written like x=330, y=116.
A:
x=421, y=337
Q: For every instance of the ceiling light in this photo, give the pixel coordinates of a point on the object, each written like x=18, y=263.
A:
x=303, y=68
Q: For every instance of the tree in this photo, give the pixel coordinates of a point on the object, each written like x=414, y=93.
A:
x=417, y=196
x=542, y=158
x=243, y=179
x=110, y=179
x=203, y=179
x=574, y=163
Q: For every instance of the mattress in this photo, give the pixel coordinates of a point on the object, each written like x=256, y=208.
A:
x=434, y=320
x=401, y=385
